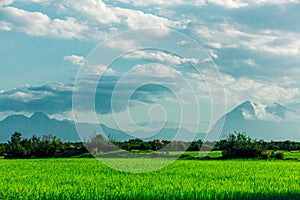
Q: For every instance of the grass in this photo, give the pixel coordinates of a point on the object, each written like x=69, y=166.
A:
x=292, y=155
x=184, y=179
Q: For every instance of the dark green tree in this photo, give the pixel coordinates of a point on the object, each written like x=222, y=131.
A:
x=239, y=145
x=15, y=148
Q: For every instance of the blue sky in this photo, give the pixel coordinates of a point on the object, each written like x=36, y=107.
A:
x=255, y=44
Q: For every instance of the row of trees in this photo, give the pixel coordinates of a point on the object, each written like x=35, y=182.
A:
x=272, y=145
x=98, y=143
x=237, y=145
x=38, y=147
x=155, y=145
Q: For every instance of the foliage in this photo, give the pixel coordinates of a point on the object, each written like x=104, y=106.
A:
x=98, y=143
x=184, y=179
x=35, y=147
x=272, y=145
x=278, y=155
x=238, y=145
x=137, y=144
x=283, y=145
x=266, y=155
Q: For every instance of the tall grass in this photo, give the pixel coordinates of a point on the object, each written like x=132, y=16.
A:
x=184, y=179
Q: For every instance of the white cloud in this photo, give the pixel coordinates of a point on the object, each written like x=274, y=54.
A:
x=98, y=20
x=250, y=62
x=5, y=26
x=259, y=91
x=276, y=1
x=95, y=10
x=6, y=2
x=213, y=54
x=232, y=35
x=102, y=14
x=22, y=95
x=154, y=70
x=76, y=60
x=122, y=44
x=241, y=89
x=100, y=69
x=25, y=95
x=39, y=24
x=160, y=57
x=260, y=113
x=229, y=3
x=154, y=2
x=182, y=42
x=215, y=45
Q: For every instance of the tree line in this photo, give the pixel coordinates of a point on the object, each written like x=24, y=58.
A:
x=236, y=145
x=46, y=146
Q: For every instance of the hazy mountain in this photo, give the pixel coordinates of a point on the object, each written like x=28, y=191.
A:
x=40, y=124
x=268, y=122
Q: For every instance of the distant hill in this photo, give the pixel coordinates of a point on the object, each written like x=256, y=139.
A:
x=268, y=122
x=40, y=124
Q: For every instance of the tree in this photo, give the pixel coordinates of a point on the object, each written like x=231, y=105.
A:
x=239, y=145
x=15, y=148
x=99, y=143
x=48, y=146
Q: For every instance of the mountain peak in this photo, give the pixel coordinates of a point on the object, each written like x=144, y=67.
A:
x=277, y=109
x=39, y=116
x=243, y=110
x=250, y=111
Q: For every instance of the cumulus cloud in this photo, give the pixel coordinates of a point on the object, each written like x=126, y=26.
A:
x=5, y=26
x=229, y=4
x=100, y=14
x=39, y=24
x=153, y=71
x=241, y=89
x=259, y=91
x=161, y=57
x=98, y=20
x=232, y=36
x=6, y=2
x=53, y=98
x=76, y=60
x=250, y=62
x=100, y=69
x=122, y=44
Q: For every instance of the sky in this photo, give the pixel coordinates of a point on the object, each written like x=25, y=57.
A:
x=216, y=54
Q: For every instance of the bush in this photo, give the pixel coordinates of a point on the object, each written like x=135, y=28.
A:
x=238, y=145
x=266, y=155
x=279, y=155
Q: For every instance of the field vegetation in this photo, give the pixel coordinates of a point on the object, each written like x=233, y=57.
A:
x=185, y=179
x=237, y=145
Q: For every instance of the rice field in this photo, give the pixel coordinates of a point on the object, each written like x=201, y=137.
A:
x=184, y=179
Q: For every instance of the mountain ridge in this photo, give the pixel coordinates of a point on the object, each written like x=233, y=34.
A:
x=40, y=124
x=260, y=121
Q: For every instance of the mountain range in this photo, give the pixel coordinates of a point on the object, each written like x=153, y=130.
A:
x=40, y=124
x=268, y=122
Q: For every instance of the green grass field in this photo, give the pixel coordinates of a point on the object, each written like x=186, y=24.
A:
x=184, y=179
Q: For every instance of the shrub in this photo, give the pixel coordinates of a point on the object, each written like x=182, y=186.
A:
x=266, y=155
x=279, y=155
x=239, y=145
